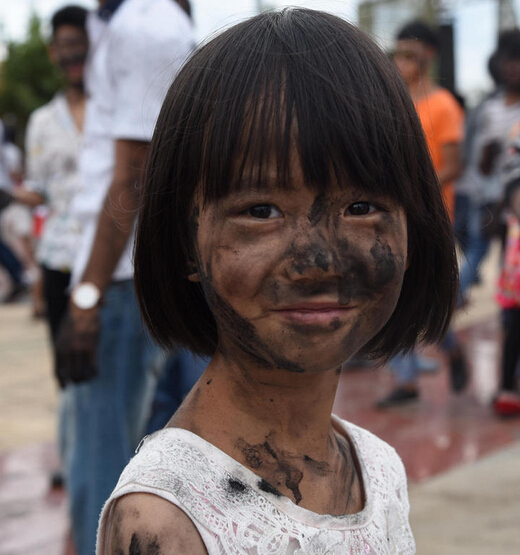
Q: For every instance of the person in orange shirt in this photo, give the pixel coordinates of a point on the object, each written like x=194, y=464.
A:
x=442, y=119
x=441, y=116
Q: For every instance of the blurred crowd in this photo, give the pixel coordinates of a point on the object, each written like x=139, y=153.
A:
x=68, y=205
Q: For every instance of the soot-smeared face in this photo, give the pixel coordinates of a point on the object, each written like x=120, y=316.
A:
x=299, y=280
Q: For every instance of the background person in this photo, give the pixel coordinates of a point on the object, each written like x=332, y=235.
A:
x=484, y=172
x=136, y=48
x=53, y=141
x=442, y=120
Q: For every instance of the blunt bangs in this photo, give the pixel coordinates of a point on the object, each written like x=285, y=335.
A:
x=292, y=81
x=324, y=90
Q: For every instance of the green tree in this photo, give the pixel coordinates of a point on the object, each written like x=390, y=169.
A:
x=28, y=79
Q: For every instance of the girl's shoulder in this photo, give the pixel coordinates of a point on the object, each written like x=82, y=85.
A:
x=149, y=524
x=228, y=504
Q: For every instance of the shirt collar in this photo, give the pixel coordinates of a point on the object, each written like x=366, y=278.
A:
x=107, y=11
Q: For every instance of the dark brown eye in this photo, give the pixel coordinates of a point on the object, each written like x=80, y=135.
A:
x=264, y=211
x=360, y=209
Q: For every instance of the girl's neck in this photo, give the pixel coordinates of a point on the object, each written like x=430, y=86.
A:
x=233, y=401
x=278, y=424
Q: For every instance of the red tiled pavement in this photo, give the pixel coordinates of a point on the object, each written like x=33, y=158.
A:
x=442, y=429
x=437, y=432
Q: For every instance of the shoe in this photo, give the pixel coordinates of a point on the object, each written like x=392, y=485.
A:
x=57, y=480
x=458, y=372
x=16, y=292
x=399, y=396
x=507, y=403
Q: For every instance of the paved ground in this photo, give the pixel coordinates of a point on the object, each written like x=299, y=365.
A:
x=463, y=463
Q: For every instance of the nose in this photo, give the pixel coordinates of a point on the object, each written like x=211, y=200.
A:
x=311, y=260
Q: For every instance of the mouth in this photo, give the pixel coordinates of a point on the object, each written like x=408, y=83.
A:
x=315, y=313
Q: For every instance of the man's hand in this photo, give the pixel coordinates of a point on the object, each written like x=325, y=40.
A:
x=76, y=346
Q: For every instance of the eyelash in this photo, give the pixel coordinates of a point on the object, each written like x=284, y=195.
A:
x=247, y=212
x=371, y=209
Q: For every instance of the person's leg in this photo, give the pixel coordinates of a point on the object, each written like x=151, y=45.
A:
x=10, y=262
x=457, y=361
x=406, y=369
x=511, y=351
x=55, y=284
x=477, y=247
x=461, y=220
x=111, y=410
x=507, y=402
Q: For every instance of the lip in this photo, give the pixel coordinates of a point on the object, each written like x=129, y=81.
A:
x=314, y=313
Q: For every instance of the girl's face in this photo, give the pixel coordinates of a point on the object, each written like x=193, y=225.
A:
x=299, y=280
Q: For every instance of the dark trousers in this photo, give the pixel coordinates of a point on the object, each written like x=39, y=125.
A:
x=511, y=354
x=9, y=261
x=55, y=292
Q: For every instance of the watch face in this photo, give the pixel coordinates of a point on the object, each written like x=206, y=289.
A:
x=86, y=295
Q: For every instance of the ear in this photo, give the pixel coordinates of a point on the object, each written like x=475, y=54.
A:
x=193, y=274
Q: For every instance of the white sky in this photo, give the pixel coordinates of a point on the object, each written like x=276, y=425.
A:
x=475, y=26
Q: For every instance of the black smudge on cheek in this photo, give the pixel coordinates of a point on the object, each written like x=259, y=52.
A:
x=362, y=278
x=243, y=333
x=385, y=262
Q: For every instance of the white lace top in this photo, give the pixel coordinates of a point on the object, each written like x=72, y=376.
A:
x=235, y=516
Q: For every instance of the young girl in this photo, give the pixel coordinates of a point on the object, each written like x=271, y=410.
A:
x=290, y=218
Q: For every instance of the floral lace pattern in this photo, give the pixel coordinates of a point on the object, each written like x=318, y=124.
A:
x=235, y=517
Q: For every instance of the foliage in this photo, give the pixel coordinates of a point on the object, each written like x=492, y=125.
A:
x=28, y=79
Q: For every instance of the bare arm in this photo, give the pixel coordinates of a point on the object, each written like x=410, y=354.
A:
x=118, y=214
x=78, y=336
x=25, y=196
x=452, y=163
x=144, y=523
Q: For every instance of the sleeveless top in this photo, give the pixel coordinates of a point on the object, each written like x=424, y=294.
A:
x=235, y=516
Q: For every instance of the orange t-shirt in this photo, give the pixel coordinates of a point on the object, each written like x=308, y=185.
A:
x=442, y=120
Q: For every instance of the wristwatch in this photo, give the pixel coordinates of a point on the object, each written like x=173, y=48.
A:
x=86, y=295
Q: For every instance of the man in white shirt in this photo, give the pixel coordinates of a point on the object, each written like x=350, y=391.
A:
x=136, y=48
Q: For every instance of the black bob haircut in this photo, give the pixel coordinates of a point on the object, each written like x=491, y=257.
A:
x=420, y=31
x=295, y=80
x=69, y=15
x=509, y=43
